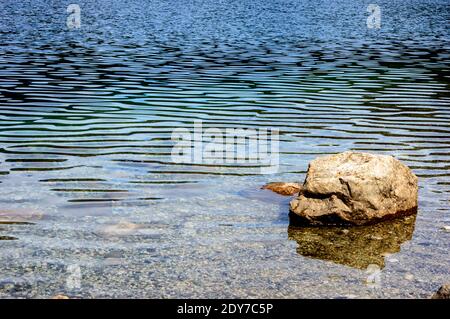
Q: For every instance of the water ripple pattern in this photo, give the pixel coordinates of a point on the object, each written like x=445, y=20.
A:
x=86, y=118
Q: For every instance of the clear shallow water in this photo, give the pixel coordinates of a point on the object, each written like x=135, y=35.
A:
x=86, y=177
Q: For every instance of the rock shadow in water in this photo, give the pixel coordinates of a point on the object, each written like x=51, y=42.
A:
x=7, y=238
x=357, y=246
x=16, y=217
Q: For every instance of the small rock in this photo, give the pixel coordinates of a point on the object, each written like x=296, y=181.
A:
x=355, y=188
x=409, y=277
x=123, y=228
x=442, y=293
x=113, y=261
x=60, y=297
x=286, y=189
x=392, y=260
x=19, y=215
x=446, y=228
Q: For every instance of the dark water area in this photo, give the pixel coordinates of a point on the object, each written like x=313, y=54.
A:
x=92, y=204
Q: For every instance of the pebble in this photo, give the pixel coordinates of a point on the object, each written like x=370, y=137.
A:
x=123, y=228
x=409, y=277
x=113, y=261
x=20, y=215
x=393, y=260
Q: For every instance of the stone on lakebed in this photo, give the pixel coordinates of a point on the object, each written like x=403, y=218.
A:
x=286, y=189
x=355, y=188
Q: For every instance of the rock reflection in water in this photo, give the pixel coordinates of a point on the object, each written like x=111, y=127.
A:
x=7, y=238
x=357, y=246
x=16, y=217
x=3, y=237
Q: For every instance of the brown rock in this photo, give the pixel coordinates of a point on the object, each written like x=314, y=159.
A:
x=355, y=188
x=442, y=293
x=287, y=189
x=60, y=297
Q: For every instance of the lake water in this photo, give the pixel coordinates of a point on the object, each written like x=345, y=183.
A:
x=92, y=204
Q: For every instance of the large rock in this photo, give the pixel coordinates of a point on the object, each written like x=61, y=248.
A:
x=355, y=188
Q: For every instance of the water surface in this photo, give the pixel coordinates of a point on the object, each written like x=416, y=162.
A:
x=88, y=187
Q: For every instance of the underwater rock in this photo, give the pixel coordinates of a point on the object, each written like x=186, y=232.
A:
x=442, y=293
x=20, y=215
x=409, y=277
x=123, y=228
x=355, y=188
x=287, y=189
x=358, y=247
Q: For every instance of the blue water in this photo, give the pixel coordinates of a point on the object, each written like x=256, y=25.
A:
x=92, y=204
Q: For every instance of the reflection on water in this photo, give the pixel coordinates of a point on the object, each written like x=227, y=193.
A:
x=3, y=231
x=358, y=246
x=7, y=238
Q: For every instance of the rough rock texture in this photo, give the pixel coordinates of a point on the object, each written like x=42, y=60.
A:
x=287, y=189
x=442, y=293
x=355, y=188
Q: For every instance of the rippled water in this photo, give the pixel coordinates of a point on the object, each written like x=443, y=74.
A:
x=88, y=189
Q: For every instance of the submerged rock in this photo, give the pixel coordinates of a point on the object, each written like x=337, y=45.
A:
x=123, y=228
x=287, y=189
x=442, y=293
x=355, y=188
x=19, y=215
x=357, y=247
